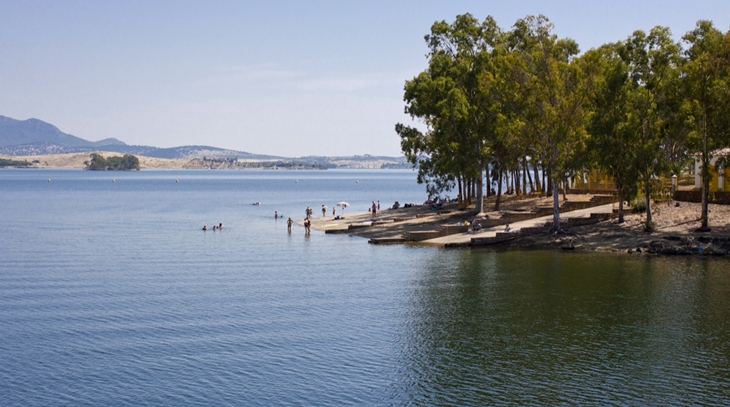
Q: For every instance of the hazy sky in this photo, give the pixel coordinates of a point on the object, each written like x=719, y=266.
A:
x=287, y=78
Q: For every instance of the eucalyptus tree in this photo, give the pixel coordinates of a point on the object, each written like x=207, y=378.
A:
x=447, y=97
x=614, y=137
x=705, y=75
x=652, y=61
x=554, y=88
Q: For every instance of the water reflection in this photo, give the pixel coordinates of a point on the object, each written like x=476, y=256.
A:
x=543, y=328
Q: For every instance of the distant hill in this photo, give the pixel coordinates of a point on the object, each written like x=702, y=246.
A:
x=33, y=131
x=34, y=137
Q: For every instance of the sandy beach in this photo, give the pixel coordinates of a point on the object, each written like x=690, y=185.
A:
x=676, y=225
x=76, y=160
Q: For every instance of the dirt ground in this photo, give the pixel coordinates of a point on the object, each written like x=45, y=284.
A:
x=76, y=160
x=675, y=232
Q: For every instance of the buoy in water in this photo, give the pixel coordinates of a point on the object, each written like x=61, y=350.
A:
x=113, y=180
x=49, y=180
x=357, y=181
x=296, y=181
x=177, y=180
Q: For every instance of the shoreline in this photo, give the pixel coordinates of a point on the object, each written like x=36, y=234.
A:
x=676, y=232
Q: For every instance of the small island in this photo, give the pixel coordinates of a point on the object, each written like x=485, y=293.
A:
x=127, y=162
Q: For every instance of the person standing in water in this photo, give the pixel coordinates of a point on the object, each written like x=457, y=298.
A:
x=288, y=224
x=324, y=210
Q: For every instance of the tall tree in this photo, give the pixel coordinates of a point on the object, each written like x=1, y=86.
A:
x=652, y=62
x=448, y=99
x=614, y=137
x=707, y=98
x=554, y=88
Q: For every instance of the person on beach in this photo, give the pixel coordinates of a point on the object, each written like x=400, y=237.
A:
x=324, y=210
x=374, y=209
x=378, y=205
x=333, y=211
x=507, y=229
x=288, y=224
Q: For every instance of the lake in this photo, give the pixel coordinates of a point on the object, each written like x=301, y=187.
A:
x=110, y=294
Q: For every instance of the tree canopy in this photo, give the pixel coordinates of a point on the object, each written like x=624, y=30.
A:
x=116, y=163
x=499, y=104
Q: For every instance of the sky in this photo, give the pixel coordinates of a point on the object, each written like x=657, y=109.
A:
x=286, y=78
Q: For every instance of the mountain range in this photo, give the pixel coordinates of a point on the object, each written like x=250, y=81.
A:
x=36, y=137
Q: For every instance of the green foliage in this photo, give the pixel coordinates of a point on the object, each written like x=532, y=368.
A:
x=449, y=98
x=635, y=109
x=705, y=94
x=116, y=163
x=4, y=162
x=649, y=226
x=638, y=205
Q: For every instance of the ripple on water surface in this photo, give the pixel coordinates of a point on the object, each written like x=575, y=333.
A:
x=115, y=297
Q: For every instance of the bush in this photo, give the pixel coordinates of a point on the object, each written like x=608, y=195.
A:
x=638, y=205
x=649, y=227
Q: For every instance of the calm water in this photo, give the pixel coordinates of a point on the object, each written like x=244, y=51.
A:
x=111, y=295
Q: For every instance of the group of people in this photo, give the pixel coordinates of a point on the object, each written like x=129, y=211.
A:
x=309, y=212
x=215, y=227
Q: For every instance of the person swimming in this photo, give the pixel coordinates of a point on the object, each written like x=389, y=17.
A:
x=205, y=227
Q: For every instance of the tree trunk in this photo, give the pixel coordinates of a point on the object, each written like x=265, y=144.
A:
x=460, y=201
x=620, y=208
x=706, y=178
x=480, y=191
x=538, y=187
x=499, y=192
x=619, y=189
x=489, y=184
x=467, y=192
x=518, y=187
x=529, y=177
x=550, y=182
x=556, y=193
x=524, y=175
x=647, y=197
x=556, y=207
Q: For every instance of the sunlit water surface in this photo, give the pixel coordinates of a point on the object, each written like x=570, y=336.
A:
x=110, y=294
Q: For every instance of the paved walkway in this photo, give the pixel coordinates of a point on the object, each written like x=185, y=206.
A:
x=492, y=232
